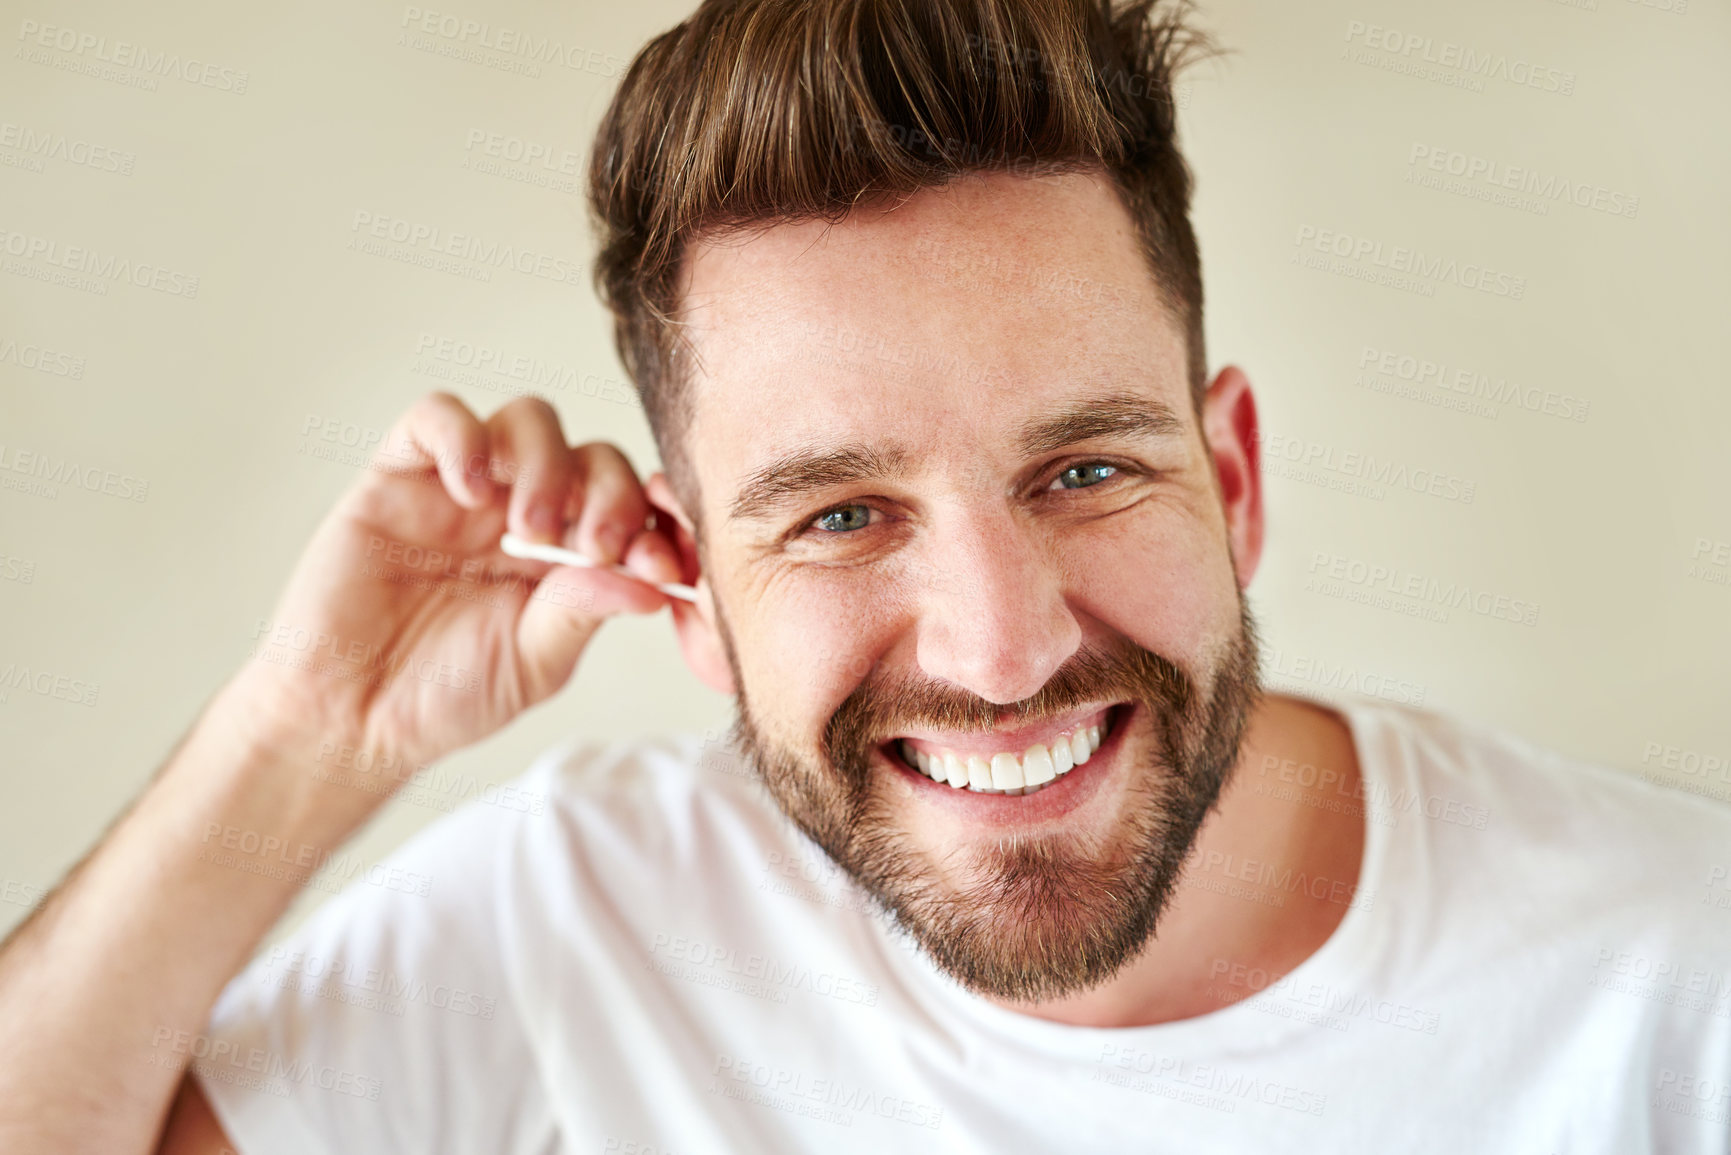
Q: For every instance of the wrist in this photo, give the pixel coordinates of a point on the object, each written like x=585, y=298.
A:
x=260, y=758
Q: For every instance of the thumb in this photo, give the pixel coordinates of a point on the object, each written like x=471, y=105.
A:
x=566, y=607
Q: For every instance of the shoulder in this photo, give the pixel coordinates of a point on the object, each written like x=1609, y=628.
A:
x=1589, y=841
x=640, y=832
x=1541, y=790
x=670, y=794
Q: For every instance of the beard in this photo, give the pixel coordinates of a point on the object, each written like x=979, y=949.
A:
x=1023, y=918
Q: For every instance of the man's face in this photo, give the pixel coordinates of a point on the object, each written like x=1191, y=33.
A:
x=958, y=507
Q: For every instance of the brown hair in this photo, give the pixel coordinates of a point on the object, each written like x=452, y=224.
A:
x=758, y=111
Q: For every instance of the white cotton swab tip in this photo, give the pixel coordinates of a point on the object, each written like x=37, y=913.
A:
x=515, y=546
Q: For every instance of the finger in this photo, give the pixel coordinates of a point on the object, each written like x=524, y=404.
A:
x=656, y=558
x=562, y=614
x=530, y=446
x=613, y=504
x=438, y=433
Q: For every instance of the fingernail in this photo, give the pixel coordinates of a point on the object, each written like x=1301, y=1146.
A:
x=543, y=517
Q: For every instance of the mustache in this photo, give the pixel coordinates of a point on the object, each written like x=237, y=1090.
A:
x=880, y=708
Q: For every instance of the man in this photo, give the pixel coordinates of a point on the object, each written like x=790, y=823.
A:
x=1006, y=851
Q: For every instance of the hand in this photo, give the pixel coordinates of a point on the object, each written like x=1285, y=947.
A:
x=404, y=632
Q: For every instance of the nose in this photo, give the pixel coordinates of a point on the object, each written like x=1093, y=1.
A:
x=993, y=616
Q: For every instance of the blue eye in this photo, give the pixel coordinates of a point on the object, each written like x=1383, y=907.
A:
x=1080, y=471
x=828, y=519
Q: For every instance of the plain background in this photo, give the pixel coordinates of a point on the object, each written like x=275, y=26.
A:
x=235, y=404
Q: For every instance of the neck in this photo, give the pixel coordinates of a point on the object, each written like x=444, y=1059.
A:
x=1236, y=921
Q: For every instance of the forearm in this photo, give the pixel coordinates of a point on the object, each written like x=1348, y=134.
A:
x=104, y=990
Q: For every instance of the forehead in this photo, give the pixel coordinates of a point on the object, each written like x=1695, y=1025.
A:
x=958, y=314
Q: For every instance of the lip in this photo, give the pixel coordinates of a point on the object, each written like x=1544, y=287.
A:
x=1054, y=800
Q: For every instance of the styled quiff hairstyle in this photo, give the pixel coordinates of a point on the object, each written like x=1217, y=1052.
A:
x=754, y=112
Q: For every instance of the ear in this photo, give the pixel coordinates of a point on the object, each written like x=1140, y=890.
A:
x=1230, y=431
x=699, y=639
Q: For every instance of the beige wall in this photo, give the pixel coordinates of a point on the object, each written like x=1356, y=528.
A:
x=1319, y=131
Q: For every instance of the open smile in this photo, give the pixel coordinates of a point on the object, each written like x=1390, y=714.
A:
x=1026, y=761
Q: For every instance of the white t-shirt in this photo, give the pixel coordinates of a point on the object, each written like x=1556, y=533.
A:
x=634, y=952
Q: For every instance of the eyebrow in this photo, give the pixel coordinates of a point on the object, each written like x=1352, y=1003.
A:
x=790, y=477
x=1117, y=415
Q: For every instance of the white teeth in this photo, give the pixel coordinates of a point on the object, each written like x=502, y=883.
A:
x=914, y=757
x=979, y=775
x=1005, y=773
x=1037, y=769
x=1081, y=749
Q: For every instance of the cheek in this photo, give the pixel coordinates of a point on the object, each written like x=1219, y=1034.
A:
x=1171, y=589
x=810, y=643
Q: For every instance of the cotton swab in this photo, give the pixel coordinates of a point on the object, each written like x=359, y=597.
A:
x=536, y=551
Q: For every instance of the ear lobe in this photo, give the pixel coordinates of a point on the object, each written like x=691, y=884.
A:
x=1231, y=432
x=694, y=624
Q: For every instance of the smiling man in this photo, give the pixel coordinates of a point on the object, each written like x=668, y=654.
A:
x=1006, y=850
